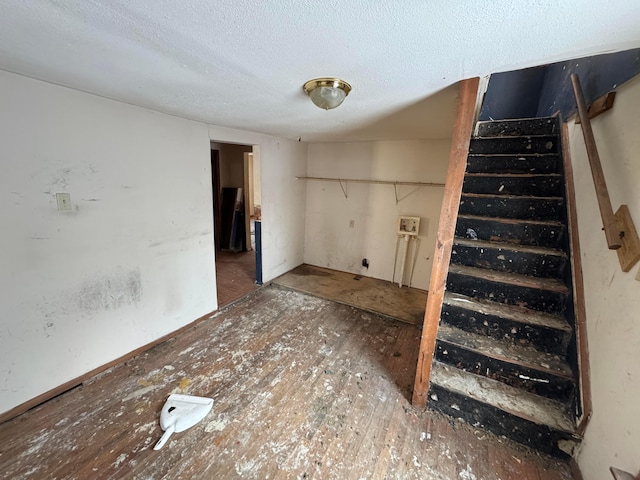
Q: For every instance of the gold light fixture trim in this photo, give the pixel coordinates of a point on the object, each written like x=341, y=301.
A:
x=327, y=92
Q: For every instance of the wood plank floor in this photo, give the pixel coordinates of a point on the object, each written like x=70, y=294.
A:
x=371, y=294
x=303, y=388
x=235, y=275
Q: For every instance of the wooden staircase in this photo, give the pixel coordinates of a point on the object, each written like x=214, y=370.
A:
x=505, y=353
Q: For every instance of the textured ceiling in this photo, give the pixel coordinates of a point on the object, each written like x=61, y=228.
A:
x=242, y=63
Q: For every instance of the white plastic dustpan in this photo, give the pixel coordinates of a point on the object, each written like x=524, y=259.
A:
x=181, y=412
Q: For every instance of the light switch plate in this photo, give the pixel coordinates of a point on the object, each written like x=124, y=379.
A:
x=64, y=201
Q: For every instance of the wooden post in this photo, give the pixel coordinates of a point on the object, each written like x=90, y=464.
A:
x=462, y=130
x=611, y=230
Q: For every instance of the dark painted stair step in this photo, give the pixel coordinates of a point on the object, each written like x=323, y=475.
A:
x=529, y=419
x=520, y=366
x=512, y=206
x=519, y=127
x=515, y=145
x=543, y=294
x=506, y=257
x=518, y=232
x=497, y=163
x=546, y=332
x=546, y=185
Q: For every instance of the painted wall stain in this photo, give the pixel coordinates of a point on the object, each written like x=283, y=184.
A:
x=111, y=291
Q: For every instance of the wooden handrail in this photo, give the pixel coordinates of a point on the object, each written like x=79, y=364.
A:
x=462, y=130
x=611, y=230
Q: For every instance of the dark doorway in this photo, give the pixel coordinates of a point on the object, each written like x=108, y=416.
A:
x=215, y=187
x=233, y=220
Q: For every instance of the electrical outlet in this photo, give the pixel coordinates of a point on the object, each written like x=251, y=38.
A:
x=64, y=201
x=352, y=223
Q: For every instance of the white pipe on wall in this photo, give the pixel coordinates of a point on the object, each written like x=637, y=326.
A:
x=405, y=249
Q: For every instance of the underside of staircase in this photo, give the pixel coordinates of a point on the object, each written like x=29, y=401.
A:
x=505, y=355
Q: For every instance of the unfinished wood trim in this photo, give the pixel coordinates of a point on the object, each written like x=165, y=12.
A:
x=462, y=130
x=60, y=389
x=611, y=231
x=629, y=252
x=599, y=106
x=578, y=285
x=483, y=85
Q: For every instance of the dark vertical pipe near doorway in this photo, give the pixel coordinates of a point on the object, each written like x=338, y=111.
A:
x=215, y=187
x=258, y=233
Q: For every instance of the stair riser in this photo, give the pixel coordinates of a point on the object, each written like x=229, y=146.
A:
x=515, y=145
x=497, y=421
x=550, y=236
x=513, y=207
x=534, y=185
x=519, y=376
x=504, y=260
x=530, y=126
x=536, y=164
x=543, y=338
x=524, y=296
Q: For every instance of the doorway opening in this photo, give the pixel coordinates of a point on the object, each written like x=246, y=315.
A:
x=235, y=182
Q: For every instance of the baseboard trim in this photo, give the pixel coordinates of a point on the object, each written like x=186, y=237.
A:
x=54, y=392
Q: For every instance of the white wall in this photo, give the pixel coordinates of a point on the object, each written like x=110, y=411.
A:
x=612, y=296
x=134, y=260
x=131, y=262
x=330, y=241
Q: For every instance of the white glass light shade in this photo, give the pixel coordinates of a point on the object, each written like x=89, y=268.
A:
x=327, y=93
x=327, y=97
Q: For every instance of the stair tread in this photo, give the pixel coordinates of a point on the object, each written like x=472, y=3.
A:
x=516, y=120
x=525, y=405
x=520, y=197
x=552, y=223
x=515, y=175
x=508, y=246
x=550, y=120
x=523, y=155
x=508, y=351
x=540, y=283
x=512, y=312
x=522, y=135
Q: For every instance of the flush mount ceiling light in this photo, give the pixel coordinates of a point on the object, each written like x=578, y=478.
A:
x=327, y=93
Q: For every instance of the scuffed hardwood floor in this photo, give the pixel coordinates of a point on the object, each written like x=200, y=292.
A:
x=303, y=388
x=371, y=294
x=235, y=275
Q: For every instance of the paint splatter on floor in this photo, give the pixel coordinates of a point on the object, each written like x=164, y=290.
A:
x=302, y=388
